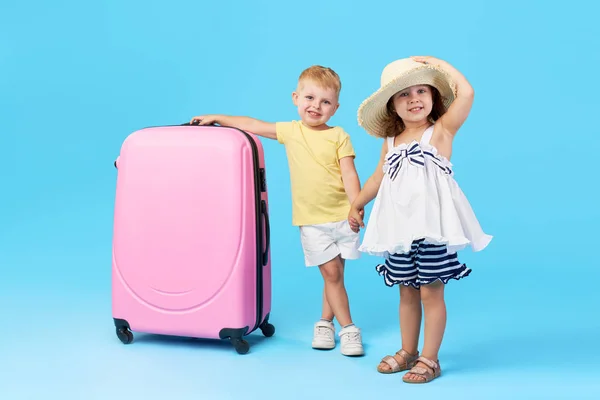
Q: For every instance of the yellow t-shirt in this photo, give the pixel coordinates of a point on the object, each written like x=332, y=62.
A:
x=318, y=194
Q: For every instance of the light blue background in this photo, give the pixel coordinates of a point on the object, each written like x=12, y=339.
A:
x=77, y=77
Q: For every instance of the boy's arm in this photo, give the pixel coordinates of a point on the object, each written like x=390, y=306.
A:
x=350, y=177
x=253, y=125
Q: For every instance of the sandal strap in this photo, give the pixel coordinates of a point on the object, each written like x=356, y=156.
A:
x=409, y=360
x=420, y=371
x=392, y=363
x=407, y=357
x=431, y=364
x=423, y=372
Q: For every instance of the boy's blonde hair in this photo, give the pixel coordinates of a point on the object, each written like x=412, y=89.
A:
x=322, y=76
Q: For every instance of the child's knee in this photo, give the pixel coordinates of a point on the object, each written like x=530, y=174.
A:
x=332, y=271
x=409, y=295
x=432, y=293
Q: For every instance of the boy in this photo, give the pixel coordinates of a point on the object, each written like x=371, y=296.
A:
x=324, y=183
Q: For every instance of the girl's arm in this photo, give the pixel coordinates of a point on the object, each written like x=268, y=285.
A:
x=460, y=108
x=368, y=192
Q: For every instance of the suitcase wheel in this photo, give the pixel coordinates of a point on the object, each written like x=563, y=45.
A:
x=124, y=335
x=267, y=329
x=240, y=345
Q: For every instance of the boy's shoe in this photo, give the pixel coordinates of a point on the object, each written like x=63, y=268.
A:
x=324, y=335
x=351, y=341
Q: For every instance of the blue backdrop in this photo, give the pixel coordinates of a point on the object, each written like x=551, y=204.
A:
x=77, y=77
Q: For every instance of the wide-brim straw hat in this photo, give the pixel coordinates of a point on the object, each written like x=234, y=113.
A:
x=397, y=76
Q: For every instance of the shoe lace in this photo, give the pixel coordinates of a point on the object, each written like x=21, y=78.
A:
x=323, y=331
x=352, y=336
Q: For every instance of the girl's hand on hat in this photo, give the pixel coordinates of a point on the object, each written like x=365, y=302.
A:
x=426, y=60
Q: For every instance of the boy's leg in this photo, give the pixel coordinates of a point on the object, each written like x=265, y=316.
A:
x=327, y=312
x=322, y=247
x=324, y=330
x=346, y=242
x=317, y=247
x=335, y=290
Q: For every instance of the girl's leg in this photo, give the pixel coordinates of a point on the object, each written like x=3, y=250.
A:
x=410, y=323
x=410, y=318
x=434, y=306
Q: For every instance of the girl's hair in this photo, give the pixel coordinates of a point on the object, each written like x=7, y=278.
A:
x=393, y=124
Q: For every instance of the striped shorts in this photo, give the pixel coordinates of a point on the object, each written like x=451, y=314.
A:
x=424, y=264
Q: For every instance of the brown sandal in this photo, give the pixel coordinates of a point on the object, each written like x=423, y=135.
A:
x=395, y=366
x=429, y=374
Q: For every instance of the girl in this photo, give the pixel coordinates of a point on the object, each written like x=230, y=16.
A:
x=420, y=217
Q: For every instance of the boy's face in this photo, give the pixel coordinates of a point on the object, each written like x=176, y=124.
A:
x=316, y=105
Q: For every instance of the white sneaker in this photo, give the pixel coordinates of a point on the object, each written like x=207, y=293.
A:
x=324, y=336
x=351, y=341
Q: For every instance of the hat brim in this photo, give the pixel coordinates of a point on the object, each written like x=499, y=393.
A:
x=372, y=112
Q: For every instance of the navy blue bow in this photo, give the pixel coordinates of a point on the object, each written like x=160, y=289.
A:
x=413, y=154
x=438, y=162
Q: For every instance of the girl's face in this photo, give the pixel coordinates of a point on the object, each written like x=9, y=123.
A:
x=413, y=104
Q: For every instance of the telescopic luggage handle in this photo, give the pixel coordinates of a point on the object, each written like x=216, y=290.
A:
x=265, y=258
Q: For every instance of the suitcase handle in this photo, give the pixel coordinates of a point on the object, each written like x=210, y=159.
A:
x=196, y=124
x=263, y=207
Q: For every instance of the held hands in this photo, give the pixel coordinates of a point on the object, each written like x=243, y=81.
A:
x=355, y=219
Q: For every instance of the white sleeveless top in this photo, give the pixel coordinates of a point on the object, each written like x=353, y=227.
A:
x=419, y=198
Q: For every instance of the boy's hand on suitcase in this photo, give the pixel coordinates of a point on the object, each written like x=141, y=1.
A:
x=205, y=119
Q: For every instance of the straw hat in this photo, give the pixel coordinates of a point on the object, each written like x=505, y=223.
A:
x=395, y=77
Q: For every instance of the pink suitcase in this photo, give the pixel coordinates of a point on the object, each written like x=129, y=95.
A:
x=191, y=250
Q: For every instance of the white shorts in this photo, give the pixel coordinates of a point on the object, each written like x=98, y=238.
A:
x=323, y=242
